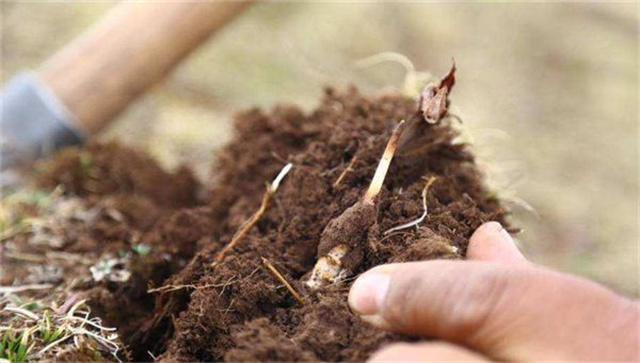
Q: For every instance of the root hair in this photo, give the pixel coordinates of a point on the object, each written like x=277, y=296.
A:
x=419, y=220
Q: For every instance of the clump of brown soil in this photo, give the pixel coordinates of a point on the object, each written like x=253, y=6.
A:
x=183, y=302
x=94, y=229
x=105, y=169
x=236, y=309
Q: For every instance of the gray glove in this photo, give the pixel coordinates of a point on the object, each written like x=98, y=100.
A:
x=34, y=124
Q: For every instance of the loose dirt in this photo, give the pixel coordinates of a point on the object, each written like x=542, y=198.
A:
x=237, y=309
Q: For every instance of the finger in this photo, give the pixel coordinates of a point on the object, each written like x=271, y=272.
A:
x=491, y=242
x=505, y=312
x=426, y=352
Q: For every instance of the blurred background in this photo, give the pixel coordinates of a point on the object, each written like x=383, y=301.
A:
x=548, y=93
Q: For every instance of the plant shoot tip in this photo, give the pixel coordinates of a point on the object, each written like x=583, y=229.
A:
x=278, y=179
x=383, y=165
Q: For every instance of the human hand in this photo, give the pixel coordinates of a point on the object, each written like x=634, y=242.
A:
x=495, y=306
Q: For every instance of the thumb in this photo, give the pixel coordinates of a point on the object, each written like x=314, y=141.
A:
x=492, y=242
x=515, y=312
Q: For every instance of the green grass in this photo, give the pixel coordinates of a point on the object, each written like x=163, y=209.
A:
x=14, y=346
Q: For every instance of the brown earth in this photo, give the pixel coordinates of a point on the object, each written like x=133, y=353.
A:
x=105, y=204
x=237, y=310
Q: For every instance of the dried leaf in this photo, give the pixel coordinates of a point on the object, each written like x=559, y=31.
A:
x=434, y=99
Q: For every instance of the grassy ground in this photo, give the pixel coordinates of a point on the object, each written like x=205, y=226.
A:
x=548, y=93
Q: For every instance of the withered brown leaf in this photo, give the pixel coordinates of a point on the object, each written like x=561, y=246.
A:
x=434, y=99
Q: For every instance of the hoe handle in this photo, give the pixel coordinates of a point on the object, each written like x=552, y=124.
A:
x=134, y=46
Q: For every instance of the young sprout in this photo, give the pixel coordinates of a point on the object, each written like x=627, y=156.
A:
x=419, y=220
x=248, y=224
x=341, y=243
x=383, y=166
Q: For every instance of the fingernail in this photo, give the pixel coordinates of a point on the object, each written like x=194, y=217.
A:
x=505, y=236
x=368, y=292
x=498, y=231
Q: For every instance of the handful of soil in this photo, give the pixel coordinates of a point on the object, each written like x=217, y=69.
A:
x=253, y=303
x=246, y=294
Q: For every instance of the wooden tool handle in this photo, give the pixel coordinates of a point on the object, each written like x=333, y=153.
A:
x=135, y=45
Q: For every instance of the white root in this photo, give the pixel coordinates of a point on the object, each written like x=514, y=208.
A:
x=413, y=80
x=419, y=220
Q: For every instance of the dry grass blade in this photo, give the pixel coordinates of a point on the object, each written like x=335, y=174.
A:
x=24, y=312
x=21, y=288
x=419, y=220
x=281, y=278
x=75, y=307
x=247, y=225
x=29, y=257
x=45, y=333
x=55, y=343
